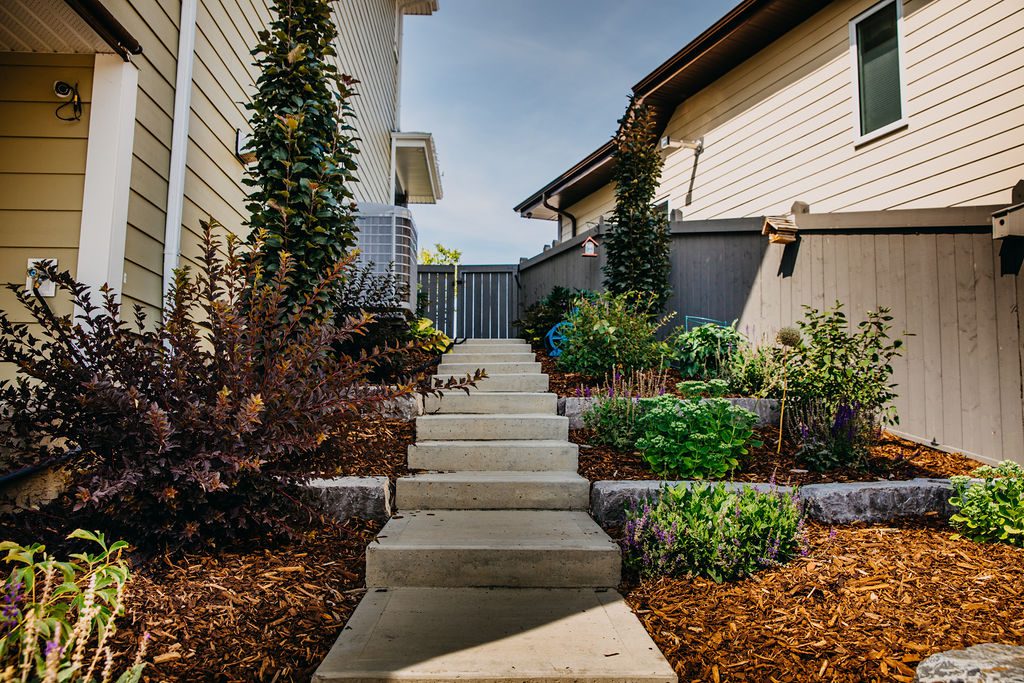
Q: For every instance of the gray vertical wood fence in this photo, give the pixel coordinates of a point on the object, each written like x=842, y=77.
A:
x=954, y=289
x=488, y=300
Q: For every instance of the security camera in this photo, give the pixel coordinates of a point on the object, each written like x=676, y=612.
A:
x=63, y=90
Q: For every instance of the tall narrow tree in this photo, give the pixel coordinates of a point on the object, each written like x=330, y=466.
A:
x=305, y=146
x=637, y=244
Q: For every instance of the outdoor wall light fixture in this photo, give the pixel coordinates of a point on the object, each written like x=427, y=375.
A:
x=667, y=144
x=590, y=247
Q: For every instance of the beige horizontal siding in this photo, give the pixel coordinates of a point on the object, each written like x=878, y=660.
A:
x=42, y=168
x=779, y=127
x=589, y=210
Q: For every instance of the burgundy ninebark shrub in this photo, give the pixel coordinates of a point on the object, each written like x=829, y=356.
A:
x=193, y=429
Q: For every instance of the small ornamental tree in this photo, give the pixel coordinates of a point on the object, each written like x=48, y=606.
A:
x=638, y=243
x=305, y=148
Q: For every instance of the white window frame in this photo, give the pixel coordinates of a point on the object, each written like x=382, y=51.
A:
x=860, y=138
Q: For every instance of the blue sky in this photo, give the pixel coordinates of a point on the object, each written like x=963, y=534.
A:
x=517, y=91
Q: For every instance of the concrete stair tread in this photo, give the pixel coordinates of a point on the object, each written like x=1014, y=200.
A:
x=535, y=529
x=506, y=426
x=503, y=456
x=492, y=402
x=481, y=634
x=494, y=491
x=507, y=382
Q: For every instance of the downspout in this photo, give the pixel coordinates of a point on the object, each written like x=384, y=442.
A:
x=572, y=219
x=179, y=142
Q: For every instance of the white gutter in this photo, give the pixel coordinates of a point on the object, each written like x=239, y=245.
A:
x=179, y=141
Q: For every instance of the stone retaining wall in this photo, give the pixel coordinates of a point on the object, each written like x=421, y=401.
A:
x=364, y=497
x=767, y=409
x=874, y=501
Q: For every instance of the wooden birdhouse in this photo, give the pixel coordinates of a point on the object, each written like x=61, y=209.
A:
x=780, y=229
x=590, y=247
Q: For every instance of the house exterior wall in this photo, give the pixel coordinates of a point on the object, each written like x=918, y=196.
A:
x=589, y=210
x=42, y=167
x=779, y=127
x=223, y=81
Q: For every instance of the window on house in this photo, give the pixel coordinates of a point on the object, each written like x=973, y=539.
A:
x=662, y=207
x=875, y=42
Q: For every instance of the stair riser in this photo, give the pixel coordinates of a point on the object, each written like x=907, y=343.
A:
x=491, y=342
x=482, y=458
x=485, y=358
x=491, y=368
x=463, y=349
x=486, y=567
x=486, y=403
x=488, y=428
x=436, y=495
x=517, y=382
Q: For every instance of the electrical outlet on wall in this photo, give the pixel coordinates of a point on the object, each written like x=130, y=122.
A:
x=46, y=287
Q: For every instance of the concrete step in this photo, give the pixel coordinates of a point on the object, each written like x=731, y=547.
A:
x=484, y=342
x=492, y=402
x=484, y=456
x=488, y=358
x=500, y=548
x=492, y=368
x=493, y=491
x=464, y=349
x=488, y=635
x=532, y=382
x=492, y=427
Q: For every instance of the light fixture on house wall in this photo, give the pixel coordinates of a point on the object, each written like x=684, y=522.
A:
x=668, y=144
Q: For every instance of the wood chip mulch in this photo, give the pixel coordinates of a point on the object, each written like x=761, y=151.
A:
x=891, y=458
x=268, y=614
x=868, y=604
x=372, y=447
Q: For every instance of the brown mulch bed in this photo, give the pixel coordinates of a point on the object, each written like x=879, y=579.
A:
x=370, y=448
x=891, y=458
x=868, y=604
x=266, y=611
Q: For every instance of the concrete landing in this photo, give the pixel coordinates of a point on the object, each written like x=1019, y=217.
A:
x=494, y=635
x=493, y=548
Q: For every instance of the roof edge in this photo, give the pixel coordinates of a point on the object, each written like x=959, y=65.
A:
x=106, y=27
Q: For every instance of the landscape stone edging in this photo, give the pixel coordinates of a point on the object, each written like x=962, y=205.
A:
x=984, y=663
x=766, y=409
x=837, y=503
x=368, y=498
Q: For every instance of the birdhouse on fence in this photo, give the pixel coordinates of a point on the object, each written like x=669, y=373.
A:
x=590, y=247
x=780, y=229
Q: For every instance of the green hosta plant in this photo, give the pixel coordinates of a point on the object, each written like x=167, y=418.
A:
x=992, y=509
x=713, y=531
x=706, y=351
x=58, y=619
x=612, y=333
x=696, y=438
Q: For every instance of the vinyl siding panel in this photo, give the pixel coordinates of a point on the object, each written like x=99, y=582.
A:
x=589, y=210
x=42, y=167
x=779, y=127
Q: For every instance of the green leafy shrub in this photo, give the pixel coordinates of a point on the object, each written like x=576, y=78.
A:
x=993, y=509
x=706, y=351
x=637, y=241
x=615, y=414
x=755, y=371
x=59, y=618
x=711, y=531
x=301, y=202
x=192, y=430
x=695, y=438
x=541, y=316
x=612, y=333
x=838, y=385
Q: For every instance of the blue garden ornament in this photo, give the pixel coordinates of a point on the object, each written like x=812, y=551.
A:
x=555, y=337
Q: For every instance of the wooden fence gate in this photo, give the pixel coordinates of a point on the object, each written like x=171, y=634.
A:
x=487, y=302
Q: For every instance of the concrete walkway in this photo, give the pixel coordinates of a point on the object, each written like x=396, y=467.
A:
x=493, y=570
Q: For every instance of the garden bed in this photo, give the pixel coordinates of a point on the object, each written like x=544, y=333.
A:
x=867, y=603
x=891, y=458
x=268, y=611
x=370, y=448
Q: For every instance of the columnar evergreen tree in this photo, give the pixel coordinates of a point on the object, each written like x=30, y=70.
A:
x=637, y=245
x=305, y=145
